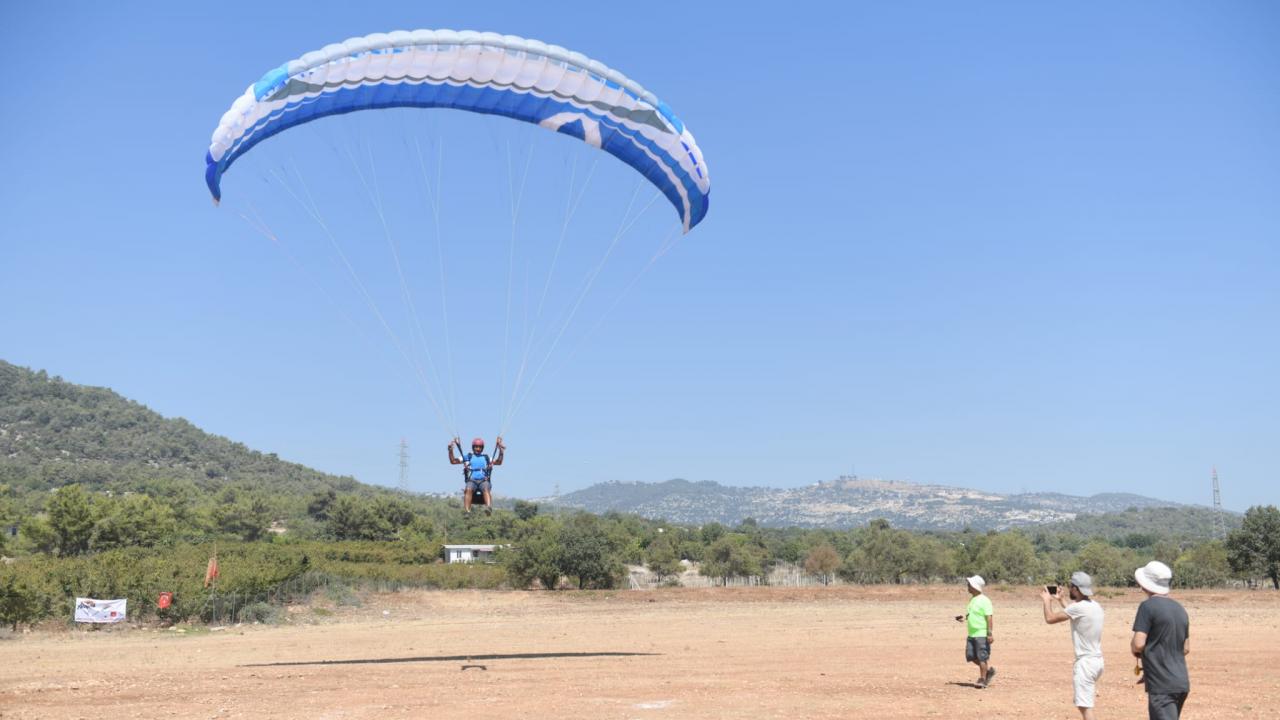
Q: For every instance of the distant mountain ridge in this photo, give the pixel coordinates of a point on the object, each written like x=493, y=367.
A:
x=848, y=502
x=54, y=433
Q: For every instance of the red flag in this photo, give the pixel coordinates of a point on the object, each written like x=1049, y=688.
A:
x=211, y=573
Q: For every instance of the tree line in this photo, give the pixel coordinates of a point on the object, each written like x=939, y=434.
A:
x=86, y=543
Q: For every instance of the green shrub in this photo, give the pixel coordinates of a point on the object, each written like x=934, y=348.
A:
x=261, y=612
x=342, y=595
x=23, y=598
x=1205, y=565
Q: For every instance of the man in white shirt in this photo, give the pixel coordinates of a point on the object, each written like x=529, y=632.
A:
x=1086, y=617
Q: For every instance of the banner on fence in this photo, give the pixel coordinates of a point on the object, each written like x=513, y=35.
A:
x=89, y=610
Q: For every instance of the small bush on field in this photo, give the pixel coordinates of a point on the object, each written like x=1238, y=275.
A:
x=261, y=612
x=342, y=595
x=23, y=599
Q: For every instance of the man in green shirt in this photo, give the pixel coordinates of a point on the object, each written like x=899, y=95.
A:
x=981, y=621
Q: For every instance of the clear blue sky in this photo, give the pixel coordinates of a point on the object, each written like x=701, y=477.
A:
x=979, y=244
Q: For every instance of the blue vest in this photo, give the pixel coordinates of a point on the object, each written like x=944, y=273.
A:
x=476, y=467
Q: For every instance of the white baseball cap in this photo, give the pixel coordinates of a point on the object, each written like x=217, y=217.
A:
x=1083, y=583
x=1154, y=577
x=977, y=582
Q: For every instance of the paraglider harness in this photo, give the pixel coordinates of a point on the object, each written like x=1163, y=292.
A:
x=477, y=494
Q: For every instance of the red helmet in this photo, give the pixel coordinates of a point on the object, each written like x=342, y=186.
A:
x=477, y=441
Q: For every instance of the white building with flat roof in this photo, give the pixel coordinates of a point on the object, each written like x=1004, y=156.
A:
x=469, y=553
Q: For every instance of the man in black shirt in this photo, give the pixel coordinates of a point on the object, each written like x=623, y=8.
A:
x=1161, y=640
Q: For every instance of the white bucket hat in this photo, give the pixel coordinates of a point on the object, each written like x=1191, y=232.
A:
x=1083, y=583
x=977, y=582
x=1154, y=577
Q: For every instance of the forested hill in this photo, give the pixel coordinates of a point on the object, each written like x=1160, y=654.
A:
x=54, y=433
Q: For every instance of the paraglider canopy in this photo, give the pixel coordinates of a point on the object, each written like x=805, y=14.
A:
x=587, y=105
x=526, y=80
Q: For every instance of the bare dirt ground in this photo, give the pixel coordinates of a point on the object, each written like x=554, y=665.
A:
x=873, y=652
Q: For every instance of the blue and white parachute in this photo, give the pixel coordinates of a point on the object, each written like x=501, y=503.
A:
x=489, y=73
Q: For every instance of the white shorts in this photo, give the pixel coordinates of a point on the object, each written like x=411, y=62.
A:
x=1085, y=680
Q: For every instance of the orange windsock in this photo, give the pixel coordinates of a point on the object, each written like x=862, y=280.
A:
x=211, y=573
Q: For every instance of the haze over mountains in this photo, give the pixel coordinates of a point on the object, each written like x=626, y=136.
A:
x=848, y=502
x=54, y=432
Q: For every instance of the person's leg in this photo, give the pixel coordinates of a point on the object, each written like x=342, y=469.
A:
x=1165, y=707
x=977, y=652
x=971, y=651
x=1084, y=681
x=467, y=492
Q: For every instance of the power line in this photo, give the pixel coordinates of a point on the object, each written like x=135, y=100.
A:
x=1219, y=520
x=403, y=479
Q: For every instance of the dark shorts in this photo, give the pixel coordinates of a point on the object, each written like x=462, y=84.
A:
x=1165, y=706
x=473, y=486
x=976, y=649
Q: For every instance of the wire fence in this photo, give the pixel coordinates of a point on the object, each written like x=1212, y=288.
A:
x=223, y=608
x=781, y=575
x=235, y=607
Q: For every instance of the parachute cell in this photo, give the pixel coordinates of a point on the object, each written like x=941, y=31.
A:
x=526, y=80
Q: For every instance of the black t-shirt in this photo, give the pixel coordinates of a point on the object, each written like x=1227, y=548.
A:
x=1167, y=627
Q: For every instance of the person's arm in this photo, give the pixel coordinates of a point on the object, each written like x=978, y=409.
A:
x=502, y=449
x=1138, y=643
x=453, y=460
x=991, y=628
x=1141, y=626
x=1186, y=646
x=1051, y=615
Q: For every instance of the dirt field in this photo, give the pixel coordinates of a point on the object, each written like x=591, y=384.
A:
x=874, y=652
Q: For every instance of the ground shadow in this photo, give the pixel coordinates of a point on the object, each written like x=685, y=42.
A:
x=455, y=658
x=965, y=684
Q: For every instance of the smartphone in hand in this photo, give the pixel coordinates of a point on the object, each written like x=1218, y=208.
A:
x=1053, y=589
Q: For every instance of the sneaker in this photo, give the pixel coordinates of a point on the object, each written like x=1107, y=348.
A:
x=991, y=674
